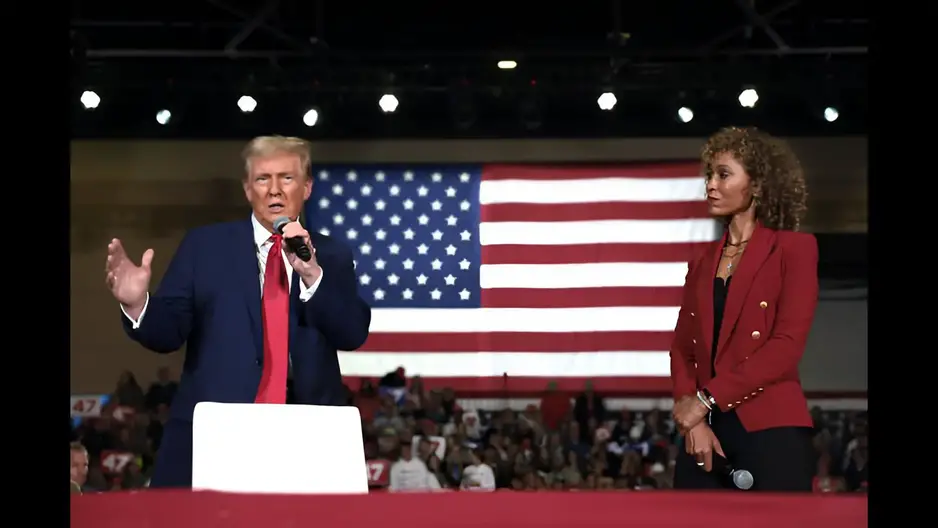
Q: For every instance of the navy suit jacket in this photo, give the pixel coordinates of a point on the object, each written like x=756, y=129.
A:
x=210, y=298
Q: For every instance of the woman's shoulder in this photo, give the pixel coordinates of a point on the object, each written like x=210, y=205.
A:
x=796, y=240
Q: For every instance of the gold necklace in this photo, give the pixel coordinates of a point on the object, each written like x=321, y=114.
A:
x=739, y=252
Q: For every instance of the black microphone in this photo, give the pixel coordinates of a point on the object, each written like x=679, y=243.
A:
x=296, y=244
x=741, y=478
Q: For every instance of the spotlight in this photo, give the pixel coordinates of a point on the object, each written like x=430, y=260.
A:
x=311, y=117
x=685, y=114
x=748, y=98
x=607, y=101
x=388, y=103
x=90, y=100
x=247, y=104
x=163, y=116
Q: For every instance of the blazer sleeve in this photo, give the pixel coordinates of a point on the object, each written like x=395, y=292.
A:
x=779, y=356
x=168, y=320
x=683, y=359
x=336, y=310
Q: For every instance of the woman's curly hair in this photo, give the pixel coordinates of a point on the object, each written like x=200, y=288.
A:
x=773, y=168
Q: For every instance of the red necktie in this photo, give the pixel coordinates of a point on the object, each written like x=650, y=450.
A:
x=276, y=311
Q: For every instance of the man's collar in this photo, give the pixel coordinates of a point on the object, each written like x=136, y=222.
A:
x=261, y=234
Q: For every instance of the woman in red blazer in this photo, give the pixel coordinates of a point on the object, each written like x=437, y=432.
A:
x=748, y=304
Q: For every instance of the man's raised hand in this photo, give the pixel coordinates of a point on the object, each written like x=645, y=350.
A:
x=128, y=282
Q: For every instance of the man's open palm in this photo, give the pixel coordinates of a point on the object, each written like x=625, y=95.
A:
x=128, y=282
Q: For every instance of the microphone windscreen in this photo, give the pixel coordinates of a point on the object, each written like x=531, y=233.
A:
x=742, y=479
x=279, y=224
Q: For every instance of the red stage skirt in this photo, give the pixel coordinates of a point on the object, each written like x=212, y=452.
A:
x=182, y=509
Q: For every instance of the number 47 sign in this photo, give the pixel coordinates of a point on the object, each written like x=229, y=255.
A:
x=114, y=462
x=88, y=406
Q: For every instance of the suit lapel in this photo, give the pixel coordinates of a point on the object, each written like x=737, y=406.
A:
x=249, y=281
x=705, y=291
x=758, y=249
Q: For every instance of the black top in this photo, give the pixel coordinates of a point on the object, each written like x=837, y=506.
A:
x=720, y=289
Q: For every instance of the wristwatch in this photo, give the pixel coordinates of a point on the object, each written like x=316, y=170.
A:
x=709, y=397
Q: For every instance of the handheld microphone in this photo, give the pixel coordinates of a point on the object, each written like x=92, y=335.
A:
x=296, y=244
x=740, y=478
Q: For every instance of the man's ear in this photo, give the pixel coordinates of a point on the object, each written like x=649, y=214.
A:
x=246, y=185
x=308, y=188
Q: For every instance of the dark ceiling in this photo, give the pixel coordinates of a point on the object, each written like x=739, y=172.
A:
x=340, y=56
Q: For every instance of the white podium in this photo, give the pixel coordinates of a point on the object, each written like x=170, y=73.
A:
x=257, y=448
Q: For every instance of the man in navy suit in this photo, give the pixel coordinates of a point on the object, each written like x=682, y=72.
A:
x=251, y=312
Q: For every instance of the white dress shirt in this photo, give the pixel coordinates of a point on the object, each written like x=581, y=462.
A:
x=262, y=242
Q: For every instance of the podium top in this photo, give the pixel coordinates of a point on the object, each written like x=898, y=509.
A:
x=261, y=448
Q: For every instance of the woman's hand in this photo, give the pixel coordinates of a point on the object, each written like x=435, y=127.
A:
x=701, y=443
x=688, y=412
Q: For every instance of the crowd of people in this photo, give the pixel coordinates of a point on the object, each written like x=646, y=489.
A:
x=417, y=439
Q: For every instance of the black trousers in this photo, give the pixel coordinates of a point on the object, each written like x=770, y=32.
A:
x=780, y=459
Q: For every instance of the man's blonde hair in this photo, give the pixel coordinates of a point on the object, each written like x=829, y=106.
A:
x=266, y=146
x=77, y=447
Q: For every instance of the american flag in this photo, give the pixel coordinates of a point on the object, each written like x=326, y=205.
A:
x=496, y=279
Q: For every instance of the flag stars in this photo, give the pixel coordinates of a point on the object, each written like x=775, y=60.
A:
x=411, y=210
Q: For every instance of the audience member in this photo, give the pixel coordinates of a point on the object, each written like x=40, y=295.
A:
x=423, y=440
